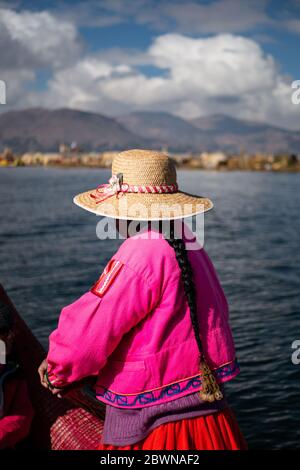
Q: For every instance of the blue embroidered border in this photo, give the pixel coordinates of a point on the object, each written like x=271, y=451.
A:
x=145, y=398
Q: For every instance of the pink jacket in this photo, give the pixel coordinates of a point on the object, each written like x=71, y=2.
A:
x=133, y=329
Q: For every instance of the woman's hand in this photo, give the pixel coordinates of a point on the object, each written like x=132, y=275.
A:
x=42, y=373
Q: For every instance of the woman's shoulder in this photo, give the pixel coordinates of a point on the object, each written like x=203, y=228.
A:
x=150, y=243
x=148, y=254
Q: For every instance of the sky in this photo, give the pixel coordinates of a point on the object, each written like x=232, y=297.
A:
x=189, y=58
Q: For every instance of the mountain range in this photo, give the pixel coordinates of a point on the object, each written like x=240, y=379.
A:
x=44, y=130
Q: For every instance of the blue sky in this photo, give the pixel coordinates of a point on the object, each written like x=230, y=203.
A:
x=190, y=58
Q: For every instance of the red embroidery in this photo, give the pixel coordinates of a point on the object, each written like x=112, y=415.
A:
x=107, y=277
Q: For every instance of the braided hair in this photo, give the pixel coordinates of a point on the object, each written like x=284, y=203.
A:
x=184, y=264
x=210, y=390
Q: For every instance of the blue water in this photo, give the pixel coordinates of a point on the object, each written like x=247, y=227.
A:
x=50, y=255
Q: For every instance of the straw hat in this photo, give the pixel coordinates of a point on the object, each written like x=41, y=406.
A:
x=143, y=186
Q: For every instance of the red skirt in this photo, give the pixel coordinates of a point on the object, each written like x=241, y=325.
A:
x=218, y=431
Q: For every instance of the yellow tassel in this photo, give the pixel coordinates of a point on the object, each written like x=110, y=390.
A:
x=210, y=389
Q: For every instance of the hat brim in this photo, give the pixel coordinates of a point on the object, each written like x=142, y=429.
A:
x=145, y=206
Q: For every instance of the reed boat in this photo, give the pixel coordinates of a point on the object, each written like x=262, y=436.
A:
x=74, y=422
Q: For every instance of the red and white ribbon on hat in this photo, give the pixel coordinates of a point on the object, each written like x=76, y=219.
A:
x=115, y=186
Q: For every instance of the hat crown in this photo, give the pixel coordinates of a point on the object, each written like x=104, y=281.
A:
x=144, y=167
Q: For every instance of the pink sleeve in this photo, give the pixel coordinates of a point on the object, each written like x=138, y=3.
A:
x=91, y=328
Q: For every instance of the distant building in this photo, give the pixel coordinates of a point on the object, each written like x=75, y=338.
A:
x=64, y=149
x=211, y=161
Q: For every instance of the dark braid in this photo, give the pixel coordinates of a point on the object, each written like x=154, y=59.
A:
x=183, y=261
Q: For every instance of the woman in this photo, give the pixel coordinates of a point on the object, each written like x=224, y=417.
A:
x=153, y=330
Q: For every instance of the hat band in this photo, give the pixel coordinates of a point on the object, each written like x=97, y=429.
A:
x=149, y=188
x=115, y=187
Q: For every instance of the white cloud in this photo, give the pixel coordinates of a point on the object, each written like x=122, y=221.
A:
x=48, y=40
x=225, y=73
x=32, y=42
x=224, y=64
x=82, y=86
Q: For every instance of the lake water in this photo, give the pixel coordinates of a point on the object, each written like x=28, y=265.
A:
x=50, y=255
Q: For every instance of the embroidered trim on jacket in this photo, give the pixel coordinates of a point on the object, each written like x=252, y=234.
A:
x=145, y=398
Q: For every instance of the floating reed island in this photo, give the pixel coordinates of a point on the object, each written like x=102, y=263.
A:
x=220, y=161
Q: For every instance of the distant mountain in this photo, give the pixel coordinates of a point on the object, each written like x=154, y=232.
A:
x=43, y=130
x=165, y=130
x=215, y=132
x=234, y=135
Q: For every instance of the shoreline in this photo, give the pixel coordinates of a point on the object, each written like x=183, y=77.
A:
x=179, y=167
x=206, y=161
